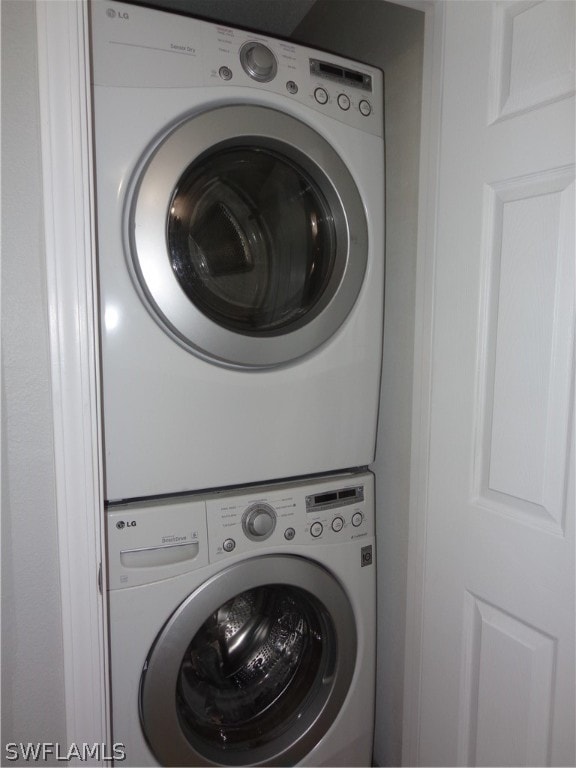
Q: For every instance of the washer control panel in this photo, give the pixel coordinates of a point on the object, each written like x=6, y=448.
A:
x=157, y=539
x=336, y=510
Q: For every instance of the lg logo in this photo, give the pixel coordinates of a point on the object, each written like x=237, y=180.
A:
x=111, y=13
x=125, y=524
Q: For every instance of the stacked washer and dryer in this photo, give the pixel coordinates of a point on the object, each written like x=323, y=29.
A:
x=241, y=257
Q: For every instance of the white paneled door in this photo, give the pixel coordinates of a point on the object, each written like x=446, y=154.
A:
x=496, y=681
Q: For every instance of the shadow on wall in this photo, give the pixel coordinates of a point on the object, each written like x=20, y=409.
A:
x=390, y=37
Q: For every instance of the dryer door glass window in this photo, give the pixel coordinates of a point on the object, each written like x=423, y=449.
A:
x=251, y=240
x=247, y=236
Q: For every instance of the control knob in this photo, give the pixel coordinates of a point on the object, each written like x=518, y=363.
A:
x=259, y=521
x=258, y=61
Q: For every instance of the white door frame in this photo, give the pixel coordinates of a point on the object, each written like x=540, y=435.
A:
x=430, y=159
x=66, y=134
x=66, y=137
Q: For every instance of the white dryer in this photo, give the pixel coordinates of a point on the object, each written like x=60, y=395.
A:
x=240, y=214
x=243, y=626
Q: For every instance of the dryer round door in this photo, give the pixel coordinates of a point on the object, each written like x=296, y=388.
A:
x=247, y=236
x=252, y=669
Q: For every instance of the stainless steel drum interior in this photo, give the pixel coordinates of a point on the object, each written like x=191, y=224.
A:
x=248, y=664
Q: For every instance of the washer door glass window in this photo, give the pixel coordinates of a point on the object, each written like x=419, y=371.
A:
x=247, y=236
x=261, y=679
x=252, y=668
x=251, y=240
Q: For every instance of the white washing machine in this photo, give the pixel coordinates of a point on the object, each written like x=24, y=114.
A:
x=243, y=626
x=240, y=203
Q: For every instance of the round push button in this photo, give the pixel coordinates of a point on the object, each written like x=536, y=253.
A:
x=229, y=545
x=337, y=524
x=343, y=101
x=291, y=87
x=316, y=529
x=321, y=95
x=289, y=534
x=225, y=73
x=365, y=108
x=357, y=519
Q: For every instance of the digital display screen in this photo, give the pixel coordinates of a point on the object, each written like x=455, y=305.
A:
x=324, y=498
x=332, y=499
x=329, y=69
x=355, y=76
x=345, y=76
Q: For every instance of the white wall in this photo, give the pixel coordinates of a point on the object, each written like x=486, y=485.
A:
x=33, y=707
x=390, y=37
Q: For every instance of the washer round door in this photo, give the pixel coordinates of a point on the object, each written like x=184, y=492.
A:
x=247, y=236
x=252, y=669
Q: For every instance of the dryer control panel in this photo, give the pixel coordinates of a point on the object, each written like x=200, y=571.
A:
x=140, y=47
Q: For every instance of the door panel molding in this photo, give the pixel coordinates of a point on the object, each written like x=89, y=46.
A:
x=499, y=646
x=552, y=76
x=527, y=315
